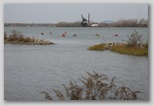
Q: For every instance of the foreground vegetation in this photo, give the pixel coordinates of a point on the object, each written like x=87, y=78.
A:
x=95, y=87
x=17, y=38
x=134, y=46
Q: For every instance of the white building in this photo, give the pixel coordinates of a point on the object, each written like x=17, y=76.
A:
x=94, y=25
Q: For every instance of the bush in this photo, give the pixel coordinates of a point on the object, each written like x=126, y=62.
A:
x=95, y=87
x=135, y=39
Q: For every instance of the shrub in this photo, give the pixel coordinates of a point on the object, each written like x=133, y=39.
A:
x=95, y=87
x=135, y=39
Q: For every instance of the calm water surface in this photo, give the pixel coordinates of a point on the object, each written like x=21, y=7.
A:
x=31, y=69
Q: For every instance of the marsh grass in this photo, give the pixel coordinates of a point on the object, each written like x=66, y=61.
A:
x=98, y=47
x=137, y=51
x=17, y=37
x=95, y=87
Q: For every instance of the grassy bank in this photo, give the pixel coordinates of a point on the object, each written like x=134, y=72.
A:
x=17, y=38
x=121, y=48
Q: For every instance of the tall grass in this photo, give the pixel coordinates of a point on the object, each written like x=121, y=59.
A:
x=95, y=87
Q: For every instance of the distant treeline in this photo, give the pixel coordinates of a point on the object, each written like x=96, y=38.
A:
x=126, y=23
x=120, y=23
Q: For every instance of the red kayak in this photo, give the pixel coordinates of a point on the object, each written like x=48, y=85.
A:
x=116, y=35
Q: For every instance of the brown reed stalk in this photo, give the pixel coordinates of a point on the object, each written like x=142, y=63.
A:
x=95, y=87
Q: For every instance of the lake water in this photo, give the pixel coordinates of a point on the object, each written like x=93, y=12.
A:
x=31, y=69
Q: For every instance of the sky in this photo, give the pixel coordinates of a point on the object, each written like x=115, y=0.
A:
x=71, y=12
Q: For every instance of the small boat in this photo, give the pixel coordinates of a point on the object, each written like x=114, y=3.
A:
x=63, y=35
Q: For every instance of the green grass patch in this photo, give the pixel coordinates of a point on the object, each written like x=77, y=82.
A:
x=98, y=47
x=137, y=51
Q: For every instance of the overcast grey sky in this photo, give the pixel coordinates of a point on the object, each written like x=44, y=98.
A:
x=70, y=12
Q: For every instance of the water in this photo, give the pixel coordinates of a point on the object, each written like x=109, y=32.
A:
x=31, y=69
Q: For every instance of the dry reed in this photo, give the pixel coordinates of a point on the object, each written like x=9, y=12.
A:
x=95, y=87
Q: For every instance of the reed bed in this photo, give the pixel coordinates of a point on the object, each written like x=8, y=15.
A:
x=95, y=87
